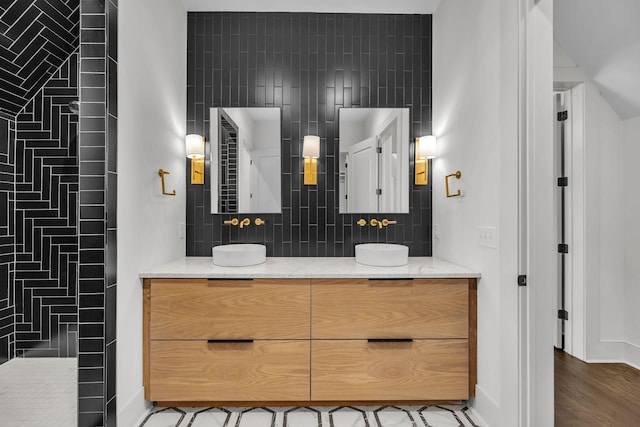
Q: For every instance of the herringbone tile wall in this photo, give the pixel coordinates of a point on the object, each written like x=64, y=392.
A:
x=46, y=242
x=36, y=38
x=7, y=336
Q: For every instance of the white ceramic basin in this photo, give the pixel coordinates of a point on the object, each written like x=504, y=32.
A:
x=382, y=254
x=239, y=255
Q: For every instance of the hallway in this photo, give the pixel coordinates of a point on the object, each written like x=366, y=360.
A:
x=595, y=394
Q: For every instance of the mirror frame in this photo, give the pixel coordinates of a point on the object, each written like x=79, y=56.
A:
x=214, y=174
x=404, y=158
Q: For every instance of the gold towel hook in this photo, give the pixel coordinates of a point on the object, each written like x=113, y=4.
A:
x=162, y=173
x=458, y=174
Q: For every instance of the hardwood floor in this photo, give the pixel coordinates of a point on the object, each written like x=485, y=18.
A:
x=595, y=394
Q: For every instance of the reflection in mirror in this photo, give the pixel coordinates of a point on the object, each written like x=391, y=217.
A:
x=245, y=160
x=374, y=160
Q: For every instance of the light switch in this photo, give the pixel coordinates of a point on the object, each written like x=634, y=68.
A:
x=487, y=237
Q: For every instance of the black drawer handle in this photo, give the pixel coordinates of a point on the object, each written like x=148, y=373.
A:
x=390, y=278
x=213, y=279
x=229, y=341
x=390, y=340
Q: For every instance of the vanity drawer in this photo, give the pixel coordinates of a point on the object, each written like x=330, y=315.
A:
x=361, y=308
x=226, y=372
x=360, y=370
x=229, y=309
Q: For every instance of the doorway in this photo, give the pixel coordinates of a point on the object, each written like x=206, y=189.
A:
x=569, y=209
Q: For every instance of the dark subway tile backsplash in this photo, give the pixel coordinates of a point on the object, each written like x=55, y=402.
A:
x=309, y=65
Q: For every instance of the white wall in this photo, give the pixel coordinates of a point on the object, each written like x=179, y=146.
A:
x=151, y=128
x=604, y=228
x=474, y=118
x=629, y=182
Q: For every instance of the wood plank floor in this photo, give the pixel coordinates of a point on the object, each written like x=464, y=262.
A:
x=595, y=394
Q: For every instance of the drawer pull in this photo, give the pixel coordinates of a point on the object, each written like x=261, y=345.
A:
x=228, y=280
x=230, y=283
x=372, y=340
x=229, y=341
x=390, y=278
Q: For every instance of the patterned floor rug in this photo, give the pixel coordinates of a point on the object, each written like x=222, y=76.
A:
x=341, y=416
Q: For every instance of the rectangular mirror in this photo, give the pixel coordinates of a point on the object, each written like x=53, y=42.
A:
x=374, y=160
x=245, y=160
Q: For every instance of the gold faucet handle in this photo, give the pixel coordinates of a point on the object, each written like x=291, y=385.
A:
x=233, y=221
x=259, y=221
x=245, y=222
x=386, y=222
x=362, y=222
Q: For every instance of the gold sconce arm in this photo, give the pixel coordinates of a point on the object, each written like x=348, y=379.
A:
x=259, y=221
x=162, y=173
x=361, y=222
x=458, y=174
x=233, y=221
x=386, y=222
x=245, y=222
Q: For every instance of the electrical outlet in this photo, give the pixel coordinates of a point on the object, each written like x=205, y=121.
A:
x=487, y=237
x=436, y=231
x=181, y=230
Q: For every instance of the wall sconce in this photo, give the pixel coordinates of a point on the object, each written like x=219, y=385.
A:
x=195, y=152
x=311, y=152
x=426, y=148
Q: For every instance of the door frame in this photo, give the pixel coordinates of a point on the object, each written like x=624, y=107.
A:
x=575, y=292
x=536, y=232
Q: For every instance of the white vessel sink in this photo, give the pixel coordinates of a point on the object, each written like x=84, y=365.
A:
x=239, y=255
x=382, y=254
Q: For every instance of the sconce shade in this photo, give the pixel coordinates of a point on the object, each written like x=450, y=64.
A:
x=194, y=146
x=427, y=147
x=311, y=147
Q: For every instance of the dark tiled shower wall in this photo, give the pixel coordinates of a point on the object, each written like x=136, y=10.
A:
x=46, y=199
x=7, y=320
x=97, y=217
x=36, y=38
x=309, y=65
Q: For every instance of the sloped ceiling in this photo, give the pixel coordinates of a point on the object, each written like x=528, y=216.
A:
x=603, y=38
x=324, y=6
x=36, y=38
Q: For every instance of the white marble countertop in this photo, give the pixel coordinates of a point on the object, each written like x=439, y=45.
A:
x=309, y=268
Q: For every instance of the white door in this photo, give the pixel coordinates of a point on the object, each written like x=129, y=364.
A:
x=389, y=175
x=362, y=179
x=265, y=185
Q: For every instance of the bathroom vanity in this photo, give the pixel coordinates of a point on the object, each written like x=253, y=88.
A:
x=309, y=330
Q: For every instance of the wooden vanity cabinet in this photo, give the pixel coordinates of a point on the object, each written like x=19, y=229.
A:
x=300, y=340
x=226, y=340
x=404, y=340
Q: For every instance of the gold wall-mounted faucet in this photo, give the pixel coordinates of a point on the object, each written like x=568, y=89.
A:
x=377, y=223
x=245, y=222
x=259, y=221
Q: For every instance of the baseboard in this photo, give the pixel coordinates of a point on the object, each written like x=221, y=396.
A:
x=484, y=409
x=134, y=412
x=617, y=352
x=605, y=351
x=632, y=355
